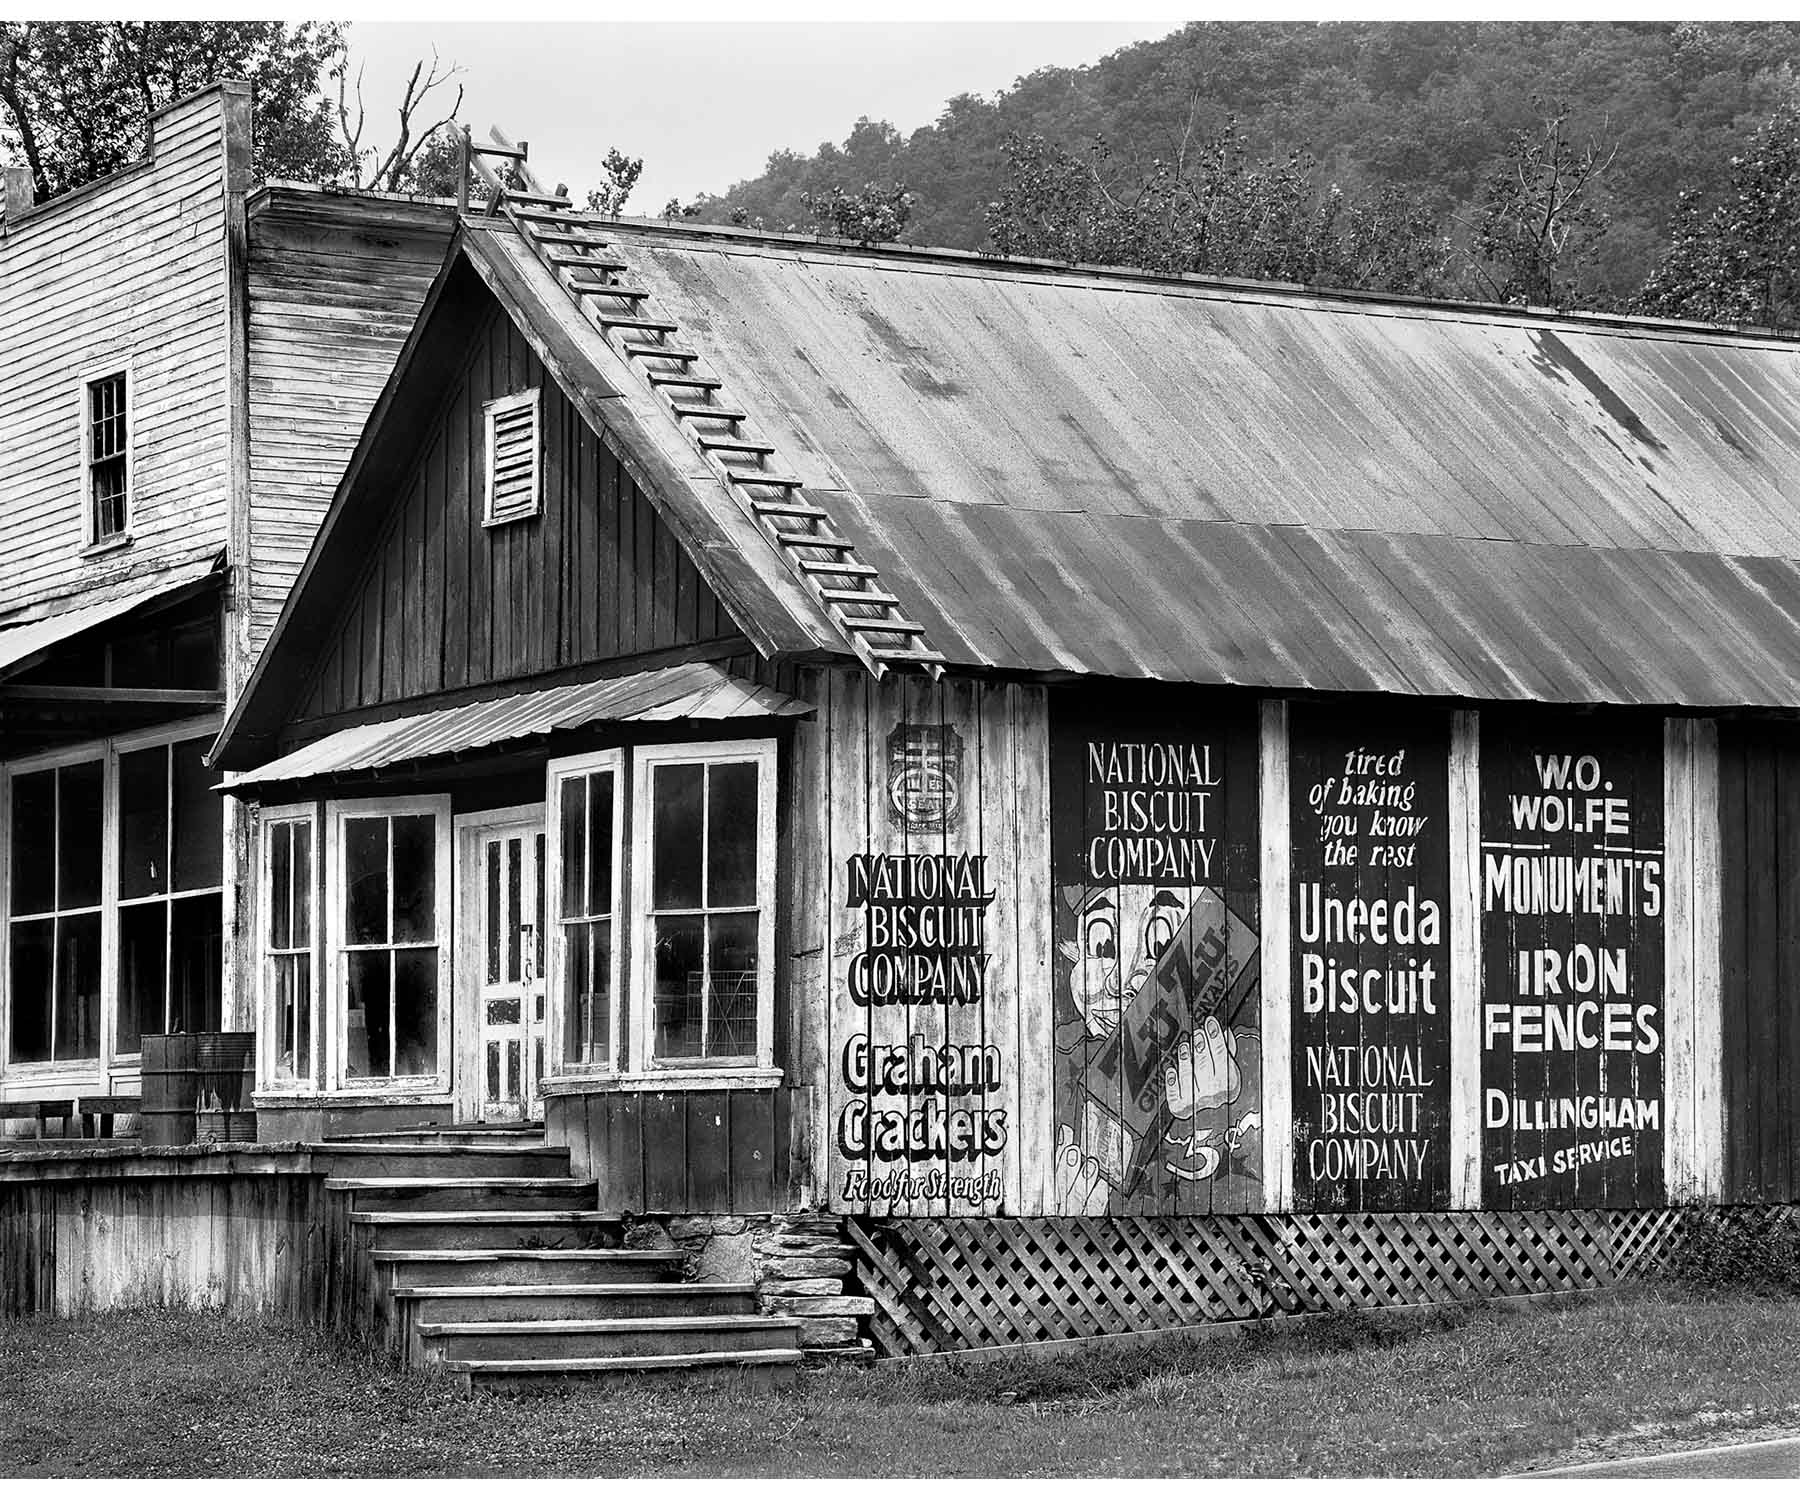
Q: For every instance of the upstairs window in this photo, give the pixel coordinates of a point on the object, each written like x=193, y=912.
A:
x=108, y=453
x=513, y=445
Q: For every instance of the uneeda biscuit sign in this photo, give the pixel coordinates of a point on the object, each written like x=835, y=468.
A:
x=924, y=777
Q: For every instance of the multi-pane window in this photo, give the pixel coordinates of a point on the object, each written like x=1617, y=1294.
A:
x=513, y=445
x=390, y=888
x=705, y=903
x=587, y=810
x=288, y=945
x=108, y=458
x=54, y=916
x=171, y=935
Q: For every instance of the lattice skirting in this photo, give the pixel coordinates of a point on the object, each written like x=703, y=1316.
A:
x=942, y=1284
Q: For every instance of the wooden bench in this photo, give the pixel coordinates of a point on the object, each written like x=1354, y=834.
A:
x=102, y=1107
x=38, y=1110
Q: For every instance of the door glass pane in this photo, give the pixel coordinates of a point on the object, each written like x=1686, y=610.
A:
x=491, y=889
x=731, y=999
x=675, y=833
x=415, y=1011
x=366, y=880
x=515, y=851
x=731, y=835
x=29, y=963
x=78, y=838
x=144, y=823
x=538, y=914
x=493, y=1072
x=196, y=963
x=600, y=843
x=366, y=1018
x=415, y=878
x=143, y=951
x=78, y=986
x=199, y=819
x=513, y=1082
x=33, y=844
x=679, y=974
x=572, y=819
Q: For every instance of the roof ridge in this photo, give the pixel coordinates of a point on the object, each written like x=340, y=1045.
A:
x=898, y=253
x=589, y=269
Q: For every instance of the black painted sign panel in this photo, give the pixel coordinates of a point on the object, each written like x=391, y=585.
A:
x=1370, y=909
x=1571, y=890
x=1158, y=1031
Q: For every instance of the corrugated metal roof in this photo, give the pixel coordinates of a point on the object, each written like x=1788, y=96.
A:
x=20, y=642
x=693, y=690
x=1146, y=478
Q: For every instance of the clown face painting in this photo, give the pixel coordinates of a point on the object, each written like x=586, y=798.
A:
x=1156, y=980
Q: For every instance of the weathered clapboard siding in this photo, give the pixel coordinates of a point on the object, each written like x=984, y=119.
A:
x=846, y=794
x=446, y=603
x=1759, y=841
x=334, y=285
x=129, y=272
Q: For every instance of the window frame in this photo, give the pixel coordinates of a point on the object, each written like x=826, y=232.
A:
x=108, y=751
x=269, y=1027
x=556, y=949
x=440, y=1083
x=92, y=540
x=491, y=412
x=644, y=761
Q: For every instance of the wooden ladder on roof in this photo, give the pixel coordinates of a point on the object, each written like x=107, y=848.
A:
x=588, y=266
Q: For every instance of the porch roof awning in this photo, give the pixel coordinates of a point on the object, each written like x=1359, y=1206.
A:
x=693, y=690
x=21, y=644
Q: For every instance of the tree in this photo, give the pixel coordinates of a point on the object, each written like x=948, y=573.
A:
x=872, y=215
x=1539, y=215
x=76, y=96
x=1738, y=260
x=419, y=159
x=1212, y=211
x=622, y=173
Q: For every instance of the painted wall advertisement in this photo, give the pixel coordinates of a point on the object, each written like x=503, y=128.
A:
x=921, y=1120
x=1370, y=893
x=1157, y=1073
x=1571, y=901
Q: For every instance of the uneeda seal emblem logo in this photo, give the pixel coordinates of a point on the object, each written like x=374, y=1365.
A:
x=925, y=768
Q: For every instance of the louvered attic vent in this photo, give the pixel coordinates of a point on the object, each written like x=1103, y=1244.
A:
x=513, y=489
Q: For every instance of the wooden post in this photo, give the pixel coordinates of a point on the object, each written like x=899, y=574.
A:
x=1678, y=961
x=1277, y=965
x=1465, y=961
x=1709, y=1092
x=462, y=171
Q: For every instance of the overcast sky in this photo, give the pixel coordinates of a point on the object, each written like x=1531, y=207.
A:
x=704, y=103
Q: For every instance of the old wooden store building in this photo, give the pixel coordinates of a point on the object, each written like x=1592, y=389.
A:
x=957, y=801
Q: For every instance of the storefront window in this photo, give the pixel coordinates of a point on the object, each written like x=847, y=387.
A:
x=171, y=939
x=588, y=824
x=288, y=945
x=54, y=918
x=391, y=884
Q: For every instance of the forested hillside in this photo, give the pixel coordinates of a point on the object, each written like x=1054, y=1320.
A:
x=1423, y=114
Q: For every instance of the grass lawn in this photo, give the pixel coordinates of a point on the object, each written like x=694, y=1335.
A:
x=1467, y=1392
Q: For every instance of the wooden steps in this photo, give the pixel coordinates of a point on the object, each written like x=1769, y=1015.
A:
x=752, y=1368
x=483, y=1258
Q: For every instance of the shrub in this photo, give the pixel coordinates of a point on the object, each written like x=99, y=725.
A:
x=1727, y=1249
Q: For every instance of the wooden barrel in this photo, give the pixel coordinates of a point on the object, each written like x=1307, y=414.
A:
x=171, y=1086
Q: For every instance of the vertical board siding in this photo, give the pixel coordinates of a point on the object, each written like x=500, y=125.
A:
x=919, y=944
x=333, y=290
x=689, y=1151
x=446, y=602
x=130, y=273
x=250, y=1243
x=1759, y=975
